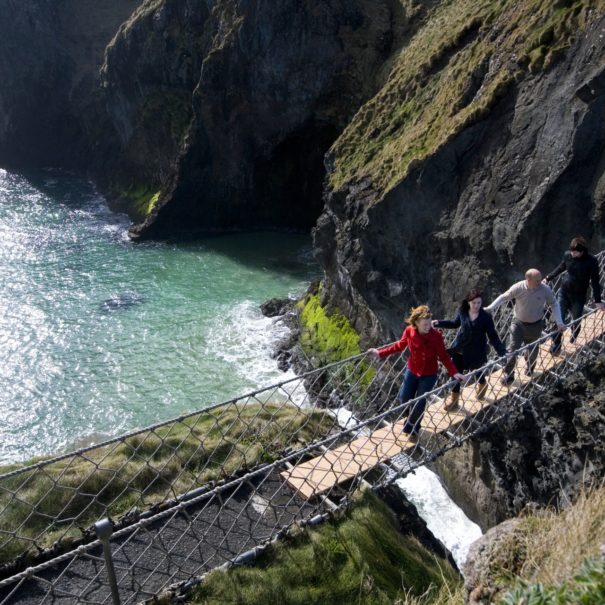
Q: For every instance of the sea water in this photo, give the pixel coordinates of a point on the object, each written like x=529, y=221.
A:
x=100, y=335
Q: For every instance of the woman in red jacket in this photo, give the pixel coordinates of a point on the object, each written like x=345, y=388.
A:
x=426, y=348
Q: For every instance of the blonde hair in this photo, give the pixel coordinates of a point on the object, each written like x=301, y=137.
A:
x=418, y=313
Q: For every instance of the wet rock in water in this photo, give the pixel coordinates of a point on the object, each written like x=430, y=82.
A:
x=121, y=302
x=277, y=306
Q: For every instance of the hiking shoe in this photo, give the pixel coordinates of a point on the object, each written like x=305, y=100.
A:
x=454, y=402
x=412, y=437
x=555, y=351
x=507, y=379
x=481, y=391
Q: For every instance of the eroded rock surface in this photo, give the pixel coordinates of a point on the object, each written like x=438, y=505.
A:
x=537, y=454
x=505, y=192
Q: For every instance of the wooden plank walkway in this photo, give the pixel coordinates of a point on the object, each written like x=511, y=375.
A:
x=320, y=474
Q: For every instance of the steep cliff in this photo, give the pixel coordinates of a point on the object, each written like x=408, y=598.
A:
x=481, y=155
x=200, y=116
x=50, y=55
x=278, y=82
x=539, y=454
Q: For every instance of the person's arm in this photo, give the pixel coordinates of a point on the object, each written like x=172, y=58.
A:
x=505, y=297
x=396, y=347
x=594, y=281
x=446, y=360
x=447, y=323
x=554, y=307
x=560, y=269
x=494, y=339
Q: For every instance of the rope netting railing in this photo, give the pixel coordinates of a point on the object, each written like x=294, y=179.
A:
x=208, y=488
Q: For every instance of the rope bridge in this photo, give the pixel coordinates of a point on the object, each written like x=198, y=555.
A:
x=156, y=509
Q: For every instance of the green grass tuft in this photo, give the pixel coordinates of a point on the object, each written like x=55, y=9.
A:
x=587, y=587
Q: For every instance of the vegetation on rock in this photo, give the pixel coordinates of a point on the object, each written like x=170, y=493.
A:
x=147, y=468
x=361, y=559
x=550, y=557
x=448, y=76
x=324, y=334
x=327, y=336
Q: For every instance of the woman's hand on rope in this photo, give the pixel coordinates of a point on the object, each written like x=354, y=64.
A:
x=461, y=377
x=434, y=323
x=373, y=353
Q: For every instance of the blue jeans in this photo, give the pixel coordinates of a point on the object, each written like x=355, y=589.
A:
x=414, y=386
x=573, y=305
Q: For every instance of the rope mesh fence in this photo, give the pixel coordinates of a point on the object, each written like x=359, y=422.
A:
x=212, y=487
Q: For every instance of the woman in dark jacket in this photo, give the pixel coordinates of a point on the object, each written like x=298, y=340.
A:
x=469, y=349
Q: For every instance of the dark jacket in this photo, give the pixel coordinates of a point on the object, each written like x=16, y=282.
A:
x=471, y=339
x=580, y=272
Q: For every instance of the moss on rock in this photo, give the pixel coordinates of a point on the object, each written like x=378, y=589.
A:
x=328, y=336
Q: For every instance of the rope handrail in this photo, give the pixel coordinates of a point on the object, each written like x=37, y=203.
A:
x=215, y=478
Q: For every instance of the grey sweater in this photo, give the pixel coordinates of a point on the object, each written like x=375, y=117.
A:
x=529, y=302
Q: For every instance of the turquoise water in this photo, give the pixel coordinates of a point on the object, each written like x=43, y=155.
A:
x=99, y=335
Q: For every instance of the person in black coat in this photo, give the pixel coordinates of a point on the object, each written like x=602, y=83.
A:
x=469, y=349
x=581, y=269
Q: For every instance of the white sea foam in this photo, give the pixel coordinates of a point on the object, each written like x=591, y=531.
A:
x=245, y=339
x=444, y=518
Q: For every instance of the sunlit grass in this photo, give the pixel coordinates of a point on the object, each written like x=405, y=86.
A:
x=448, y=75
x=51, y=503
x=547, y=549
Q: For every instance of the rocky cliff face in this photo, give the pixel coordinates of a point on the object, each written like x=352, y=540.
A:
x=537, y=454
x=206, y=116
x=50, y=55
x=482, y=155
x=278, y=83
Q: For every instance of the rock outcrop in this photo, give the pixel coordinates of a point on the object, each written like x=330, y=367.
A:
x=198, y=116
x=537, y=454
x=482, y=155
x=279, y=82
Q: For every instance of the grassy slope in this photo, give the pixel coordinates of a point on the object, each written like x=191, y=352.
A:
x=551, y=559
x=554, y=558
x=145, y=469
x=449, y=75
x=362, y=559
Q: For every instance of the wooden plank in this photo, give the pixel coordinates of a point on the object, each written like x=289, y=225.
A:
x=317, y=476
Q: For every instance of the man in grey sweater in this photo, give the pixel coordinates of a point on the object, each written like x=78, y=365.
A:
x=530, y=298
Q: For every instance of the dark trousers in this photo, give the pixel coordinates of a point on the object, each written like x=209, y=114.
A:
x=523, y=334
x=414, y=386
x=573, y=305
x=458, y=359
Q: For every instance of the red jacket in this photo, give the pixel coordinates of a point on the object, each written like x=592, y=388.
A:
x=425, y=350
